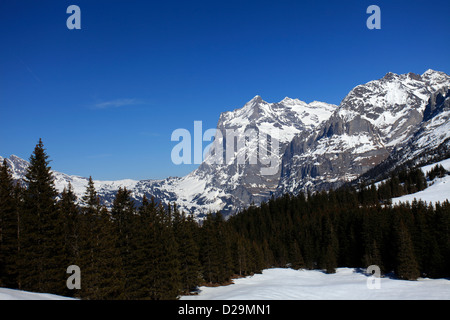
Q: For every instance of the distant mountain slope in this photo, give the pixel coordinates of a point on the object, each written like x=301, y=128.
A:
x=371, y=122
x=430, y=142
x=438, y=190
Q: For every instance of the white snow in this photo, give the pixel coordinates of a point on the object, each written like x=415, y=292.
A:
x=445, y=163
x=438, y=190
x=11, y=294
x=358, y=144
x=289, y=284
x=345, y=284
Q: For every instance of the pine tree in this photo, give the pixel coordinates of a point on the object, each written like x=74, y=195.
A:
x=9, y=229
x=370, y=237
x=71, y=212
x=406, y=265
x=437, y=171
x=99, y=259
x=42, y=258
x=330, y=248
x=70, y=215
x=297, y=261
x=111, y=282
x=124, y=219
x=169, y=269
x=213, y=255
x=90, y=211
x=185, y=231
x=144, y=256
x=157, y=257
x=257, y=257
x=240, y=255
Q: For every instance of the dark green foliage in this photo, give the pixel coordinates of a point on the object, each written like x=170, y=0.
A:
x=9, y=228
x=403, y=182
x=123, y=218
x=215, y=253
x=335, y=229
x=406, y=265
x=99, y=259
x=187, y=236
x=69, y=212
x=167, y=284
x=437, y=171
x=41, y=255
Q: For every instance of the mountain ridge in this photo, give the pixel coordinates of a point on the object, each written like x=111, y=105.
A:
x=320, y=145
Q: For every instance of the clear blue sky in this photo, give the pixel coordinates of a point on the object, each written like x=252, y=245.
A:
x=105, y=99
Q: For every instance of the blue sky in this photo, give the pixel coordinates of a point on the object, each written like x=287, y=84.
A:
x=105, y=99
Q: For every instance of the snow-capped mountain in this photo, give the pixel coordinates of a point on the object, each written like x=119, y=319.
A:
x=233, y=184
x=430, y=143
x=309, y=146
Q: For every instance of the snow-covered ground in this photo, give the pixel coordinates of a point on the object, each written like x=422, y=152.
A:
x=289, y=284
x=437, y=191
x=345, y=284
x=10, y=294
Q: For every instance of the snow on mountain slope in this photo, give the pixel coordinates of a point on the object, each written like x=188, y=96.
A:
x=438, y=190
x=372, y=120
x=435, y=128
x=430, y=141
x=105, y=189
x=444, y=163
x=393, y=104
x=289, y=116
x=232, y=184
x=211, y=187
x=345, y=284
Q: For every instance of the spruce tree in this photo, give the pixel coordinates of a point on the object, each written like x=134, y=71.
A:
x=9, y=232
x=111, y=283
x=169, y=269
x=330, y=248
x=210, y=254
x=185, y=231
x=296, y=259
x=42, y=259
x=70, y=215
x=144, y=256
x=99, y=260
x=124, y=219
x=406, y=264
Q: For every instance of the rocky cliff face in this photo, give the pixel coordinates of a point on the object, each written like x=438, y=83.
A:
x=430, y=142
x=238, y=178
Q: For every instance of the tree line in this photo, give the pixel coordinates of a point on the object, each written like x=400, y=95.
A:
x=334, y=229
x=156, y=251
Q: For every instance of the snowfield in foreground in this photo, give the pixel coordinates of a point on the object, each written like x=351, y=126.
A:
x=289, y=284
x=10, y=294
x=345, y=284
